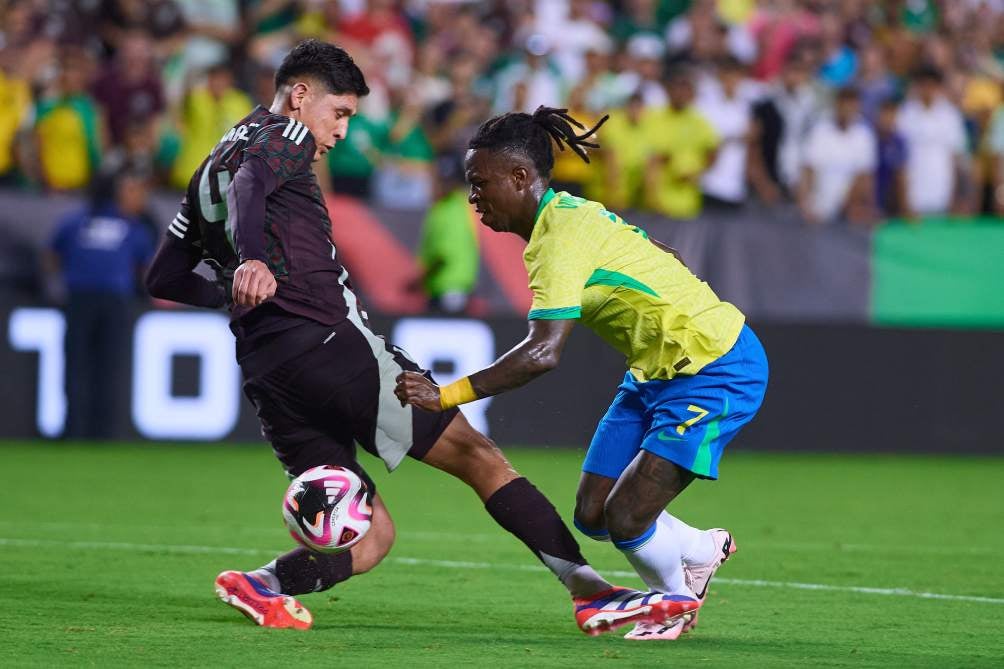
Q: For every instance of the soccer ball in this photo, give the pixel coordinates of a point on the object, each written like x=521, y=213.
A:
x=327, y=509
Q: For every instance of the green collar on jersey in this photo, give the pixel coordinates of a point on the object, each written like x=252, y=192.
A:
x=548, y=196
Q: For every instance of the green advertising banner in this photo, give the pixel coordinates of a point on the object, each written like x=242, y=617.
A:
x=939, y=273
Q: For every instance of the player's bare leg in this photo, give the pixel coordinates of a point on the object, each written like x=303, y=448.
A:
x=266, y=595
x=375, y=546
x=465, y=453
x=514, y=503
x=520, y=508
x=669, y=555
x=702, y=552
x=590, y=519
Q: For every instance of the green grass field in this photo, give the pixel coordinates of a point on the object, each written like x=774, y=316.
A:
x=108, y=553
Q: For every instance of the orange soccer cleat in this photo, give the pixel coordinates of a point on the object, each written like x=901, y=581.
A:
x=265, y=607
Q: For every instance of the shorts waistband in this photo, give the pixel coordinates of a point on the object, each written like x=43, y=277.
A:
x=282, y=347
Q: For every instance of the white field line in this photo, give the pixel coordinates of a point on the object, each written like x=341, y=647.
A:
x=183, y=549
x=419, y=535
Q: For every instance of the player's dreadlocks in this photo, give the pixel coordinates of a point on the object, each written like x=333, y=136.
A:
x=531, y=135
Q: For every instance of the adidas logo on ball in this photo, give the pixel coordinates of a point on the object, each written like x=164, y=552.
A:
x=334, y=490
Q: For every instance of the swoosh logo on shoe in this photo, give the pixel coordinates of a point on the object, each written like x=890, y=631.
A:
x=725, y=552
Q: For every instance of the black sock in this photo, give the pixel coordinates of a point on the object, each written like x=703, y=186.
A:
x=301, y=571
x=523, y=510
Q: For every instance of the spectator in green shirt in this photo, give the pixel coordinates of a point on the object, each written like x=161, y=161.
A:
x=353, y=160
x=404, y=176
x=448, y=249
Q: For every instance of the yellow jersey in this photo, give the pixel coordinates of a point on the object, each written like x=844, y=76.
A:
x=586, y=263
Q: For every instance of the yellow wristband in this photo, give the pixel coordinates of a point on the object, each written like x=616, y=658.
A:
x=458, y=392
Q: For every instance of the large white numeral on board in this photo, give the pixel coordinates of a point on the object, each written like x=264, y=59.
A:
x=466, y=345
x=43, y=330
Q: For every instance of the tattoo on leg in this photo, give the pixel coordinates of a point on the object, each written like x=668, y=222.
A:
x=642, y=493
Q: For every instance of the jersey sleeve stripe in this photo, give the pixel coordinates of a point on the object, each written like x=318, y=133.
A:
x=554, y=314
x=299, y=138
x=177, y=233
x=181, y=226
x=181, y=216
x=289, y=128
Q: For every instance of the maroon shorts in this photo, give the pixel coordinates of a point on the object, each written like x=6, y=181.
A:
x=334, y=389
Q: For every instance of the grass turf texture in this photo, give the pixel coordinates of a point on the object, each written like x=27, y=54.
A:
x=108, y=552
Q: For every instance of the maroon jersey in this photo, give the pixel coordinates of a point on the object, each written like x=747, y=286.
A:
x=256, y=197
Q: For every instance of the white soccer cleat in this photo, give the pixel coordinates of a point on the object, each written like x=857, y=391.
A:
x=658, y=632
x=698, y=577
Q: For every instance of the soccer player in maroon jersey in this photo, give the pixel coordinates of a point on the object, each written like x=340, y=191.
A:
x=321, y=380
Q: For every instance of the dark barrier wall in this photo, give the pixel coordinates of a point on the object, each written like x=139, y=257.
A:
x=764, y=261
x=832, y=388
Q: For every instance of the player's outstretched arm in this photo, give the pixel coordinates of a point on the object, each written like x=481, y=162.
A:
x=170, y=277
x=535, y=355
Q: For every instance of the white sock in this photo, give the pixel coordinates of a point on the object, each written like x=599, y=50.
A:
x=267, y=576
x=655, y=555
x=696, y=546
x=584, y=582
x=580, y=579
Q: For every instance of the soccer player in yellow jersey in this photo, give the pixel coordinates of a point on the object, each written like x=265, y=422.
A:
x=696, y=372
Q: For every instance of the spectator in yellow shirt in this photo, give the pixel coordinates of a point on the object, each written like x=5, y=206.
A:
x=207, y=113
x=68, y=131
x=571, y=173
x=683, y=145
x=624, y=151
x=15, y=111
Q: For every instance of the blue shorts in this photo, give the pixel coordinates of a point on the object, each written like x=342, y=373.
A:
x=688, y=419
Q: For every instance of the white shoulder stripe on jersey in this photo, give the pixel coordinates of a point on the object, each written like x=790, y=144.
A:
x=289, y=128
x=180, y=234
x=182, y=217
x=299, y=138
x=177, y=222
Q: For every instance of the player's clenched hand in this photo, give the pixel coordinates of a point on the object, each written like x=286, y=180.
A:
x=253, y=283
x=413, y=388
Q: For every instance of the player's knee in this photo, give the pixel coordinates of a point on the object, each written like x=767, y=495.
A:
x=590, y=519
x=623, y=522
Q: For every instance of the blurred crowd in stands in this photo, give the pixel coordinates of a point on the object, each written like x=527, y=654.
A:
x=850, y=110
